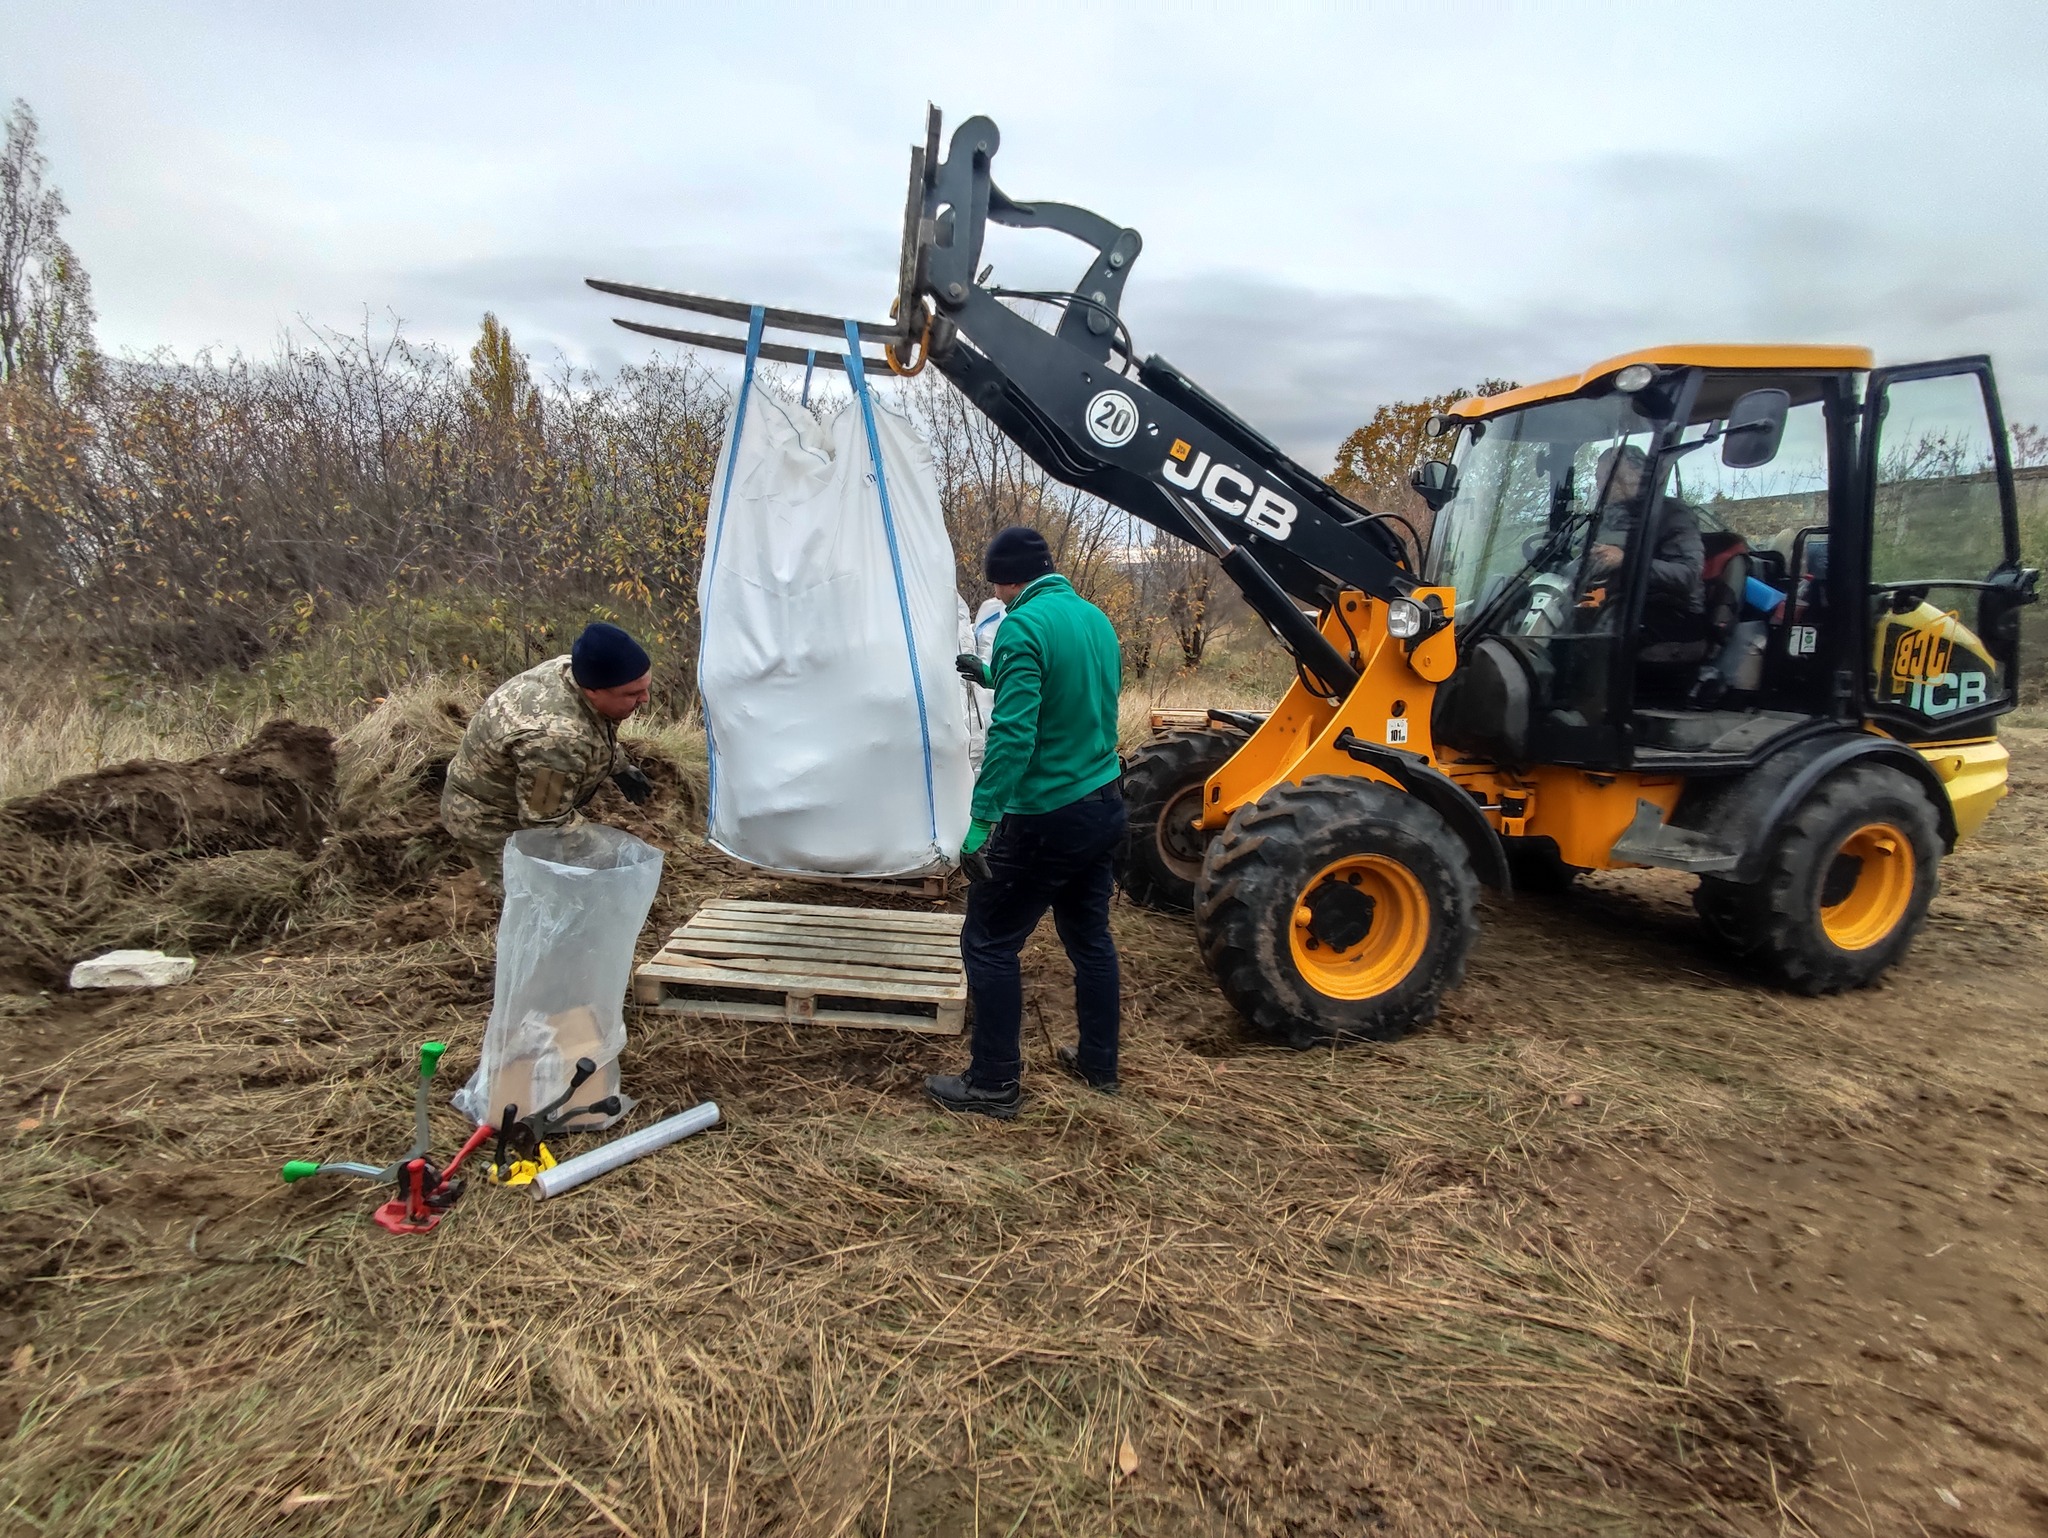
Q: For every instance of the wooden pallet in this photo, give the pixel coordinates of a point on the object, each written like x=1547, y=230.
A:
x=802, y=962
x=931, y=888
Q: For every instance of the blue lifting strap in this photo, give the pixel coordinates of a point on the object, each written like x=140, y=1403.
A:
x=856, y=373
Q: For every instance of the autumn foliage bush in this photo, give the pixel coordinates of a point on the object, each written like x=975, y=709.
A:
x=185, y=516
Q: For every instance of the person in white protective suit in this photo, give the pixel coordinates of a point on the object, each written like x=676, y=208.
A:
x=978, y=639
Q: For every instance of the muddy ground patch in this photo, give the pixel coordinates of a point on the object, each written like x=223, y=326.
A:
x=1392, y=1290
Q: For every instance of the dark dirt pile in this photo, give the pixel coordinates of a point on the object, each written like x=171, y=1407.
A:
x=227, y=850
x=276, y=791
x=290, y=833
x=206, y=854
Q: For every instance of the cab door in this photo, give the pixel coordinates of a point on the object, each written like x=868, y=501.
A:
x=1942, y=580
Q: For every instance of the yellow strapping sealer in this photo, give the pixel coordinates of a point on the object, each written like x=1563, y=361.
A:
x=522, y=1149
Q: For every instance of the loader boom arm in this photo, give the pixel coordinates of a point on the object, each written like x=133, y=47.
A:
x=1138, y=434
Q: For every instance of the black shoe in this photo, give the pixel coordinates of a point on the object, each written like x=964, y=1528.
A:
x=957, y=1093
x=1070, y=1059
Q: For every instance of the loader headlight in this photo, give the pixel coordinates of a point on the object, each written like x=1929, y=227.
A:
x=1634, y=377
x=1405, y=619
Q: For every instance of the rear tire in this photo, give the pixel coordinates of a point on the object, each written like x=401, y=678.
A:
x=1336, y=909
x=1163, y=783
x=1723, y=908
x=1847, y=885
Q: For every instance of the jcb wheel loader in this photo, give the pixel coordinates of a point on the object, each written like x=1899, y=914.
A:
x=1745, y=612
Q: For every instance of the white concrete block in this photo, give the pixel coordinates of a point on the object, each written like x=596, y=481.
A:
x=132, y=969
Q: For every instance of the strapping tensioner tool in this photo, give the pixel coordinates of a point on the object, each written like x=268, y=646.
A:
x=522, y=1150
x=426, y=1190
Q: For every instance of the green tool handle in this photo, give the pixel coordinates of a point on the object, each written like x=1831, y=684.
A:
x=299, y=1169
x=430, y=1059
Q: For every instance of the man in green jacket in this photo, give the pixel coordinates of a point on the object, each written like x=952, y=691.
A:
x=1048, y=817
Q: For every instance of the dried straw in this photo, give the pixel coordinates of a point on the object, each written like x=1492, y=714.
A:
x=1296, y=1294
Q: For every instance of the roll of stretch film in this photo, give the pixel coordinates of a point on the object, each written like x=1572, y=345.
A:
x=571, y=1173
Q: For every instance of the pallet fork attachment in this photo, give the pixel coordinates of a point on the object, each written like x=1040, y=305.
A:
x=1137, y=433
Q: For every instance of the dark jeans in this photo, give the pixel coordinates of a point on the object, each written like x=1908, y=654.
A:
x=1063, y=860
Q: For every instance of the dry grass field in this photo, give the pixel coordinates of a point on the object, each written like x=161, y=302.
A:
x=1623, y=1244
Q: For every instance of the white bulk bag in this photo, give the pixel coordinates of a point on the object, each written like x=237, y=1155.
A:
x=836, y=722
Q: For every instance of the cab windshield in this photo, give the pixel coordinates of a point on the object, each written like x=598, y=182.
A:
x=1529, y=503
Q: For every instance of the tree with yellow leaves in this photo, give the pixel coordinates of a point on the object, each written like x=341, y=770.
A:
x=1374, y=460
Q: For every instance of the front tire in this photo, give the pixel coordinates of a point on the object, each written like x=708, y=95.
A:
x=1336, y=909
x=1847, y=886
x=1163, y=794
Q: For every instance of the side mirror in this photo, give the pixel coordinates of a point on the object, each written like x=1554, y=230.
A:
x=1435, y=481
x=1756, y=425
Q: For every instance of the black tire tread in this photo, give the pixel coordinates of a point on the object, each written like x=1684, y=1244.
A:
x=1774, y=924
x=1154, y=774
x=1264, y=837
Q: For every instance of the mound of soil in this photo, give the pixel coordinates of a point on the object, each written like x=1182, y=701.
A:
x=276, y=791
x=203, y=855
x=282, y=835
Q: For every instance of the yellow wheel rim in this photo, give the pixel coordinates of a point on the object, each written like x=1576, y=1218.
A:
x=1359, y=926
x=1180, y=842
x=1871, y=882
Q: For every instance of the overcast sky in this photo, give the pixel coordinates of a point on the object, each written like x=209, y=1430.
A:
x=1341, y=205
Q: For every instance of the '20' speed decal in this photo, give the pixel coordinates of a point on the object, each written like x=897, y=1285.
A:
x=1112, y=419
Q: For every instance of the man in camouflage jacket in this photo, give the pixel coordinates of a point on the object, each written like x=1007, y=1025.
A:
x=543, y=744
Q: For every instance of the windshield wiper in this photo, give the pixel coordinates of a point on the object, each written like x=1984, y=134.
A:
x=1557, y=543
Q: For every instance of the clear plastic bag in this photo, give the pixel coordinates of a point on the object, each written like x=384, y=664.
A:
x=576, y=900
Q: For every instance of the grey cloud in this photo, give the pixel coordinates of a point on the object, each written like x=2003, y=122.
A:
x=1306, y=367
x=543, y=298
x=228, y=177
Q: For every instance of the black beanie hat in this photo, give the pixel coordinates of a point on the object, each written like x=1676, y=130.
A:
x=604, y=657
x=1017, y=554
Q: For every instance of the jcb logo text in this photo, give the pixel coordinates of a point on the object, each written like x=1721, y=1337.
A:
x=1230, y=491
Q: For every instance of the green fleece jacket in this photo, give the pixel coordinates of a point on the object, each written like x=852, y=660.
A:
x=1052, y=736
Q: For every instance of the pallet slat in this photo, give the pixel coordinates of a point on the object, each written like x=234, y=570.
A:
x=816, y=915
x=870, y=1020
x=750, y=960
x=783, y=924
x=785, y=973
x=827, y=934
x=754, y=924
x=932, y=888
x=910, y=958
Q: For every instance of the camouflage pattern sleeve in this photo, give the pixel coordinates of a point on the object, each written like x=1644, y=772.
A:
x=556, y=773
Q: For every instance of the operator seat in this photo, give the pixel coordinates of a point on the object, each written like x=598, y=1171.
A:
x=1726, y=576
x=1682, y=669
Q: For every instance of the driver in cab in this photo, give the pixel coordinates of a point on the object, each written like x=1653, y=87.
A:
x=1674, y=606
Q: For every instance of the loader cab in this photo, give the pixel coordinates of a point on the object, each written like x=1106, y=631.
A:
x=1810, y=541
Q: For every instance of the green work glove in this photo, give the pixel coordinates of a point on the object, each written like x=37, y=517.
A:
x=972, y=860
x=974, y=670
